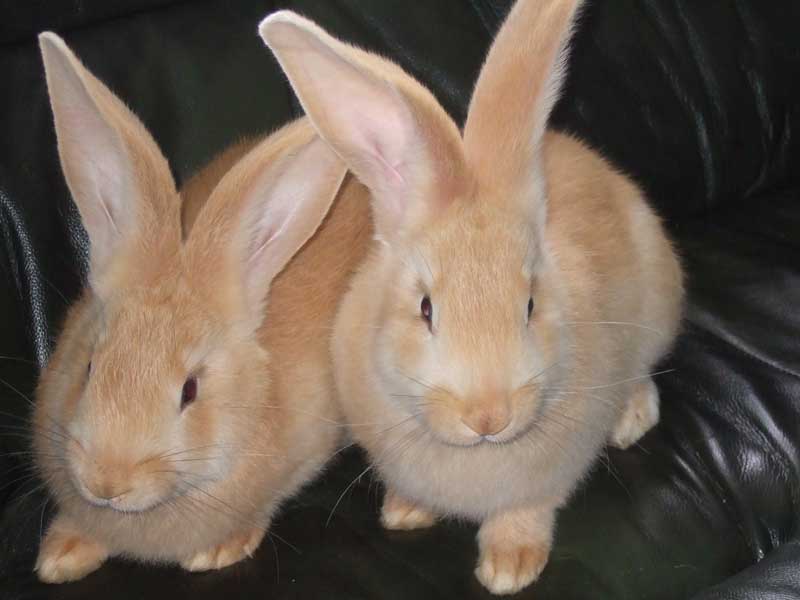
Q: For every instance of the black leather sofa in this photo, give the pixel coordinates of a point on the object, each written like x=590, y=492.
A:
x=699, y=101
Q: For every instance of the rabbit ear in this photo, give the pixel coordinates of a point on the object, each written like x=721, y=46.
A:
x=116, y=174
x=387, y=128
x=261, y=213
x=516, y=90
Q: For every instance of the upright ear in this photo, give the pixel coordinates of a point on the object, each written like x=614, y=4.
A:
x=118, y=178
x=387, y=127
x=516, y=90
x=262, y=212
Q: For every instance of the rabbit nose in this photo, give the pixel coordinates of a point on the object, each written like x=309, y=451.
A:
x=106, y=488
x=488, y=419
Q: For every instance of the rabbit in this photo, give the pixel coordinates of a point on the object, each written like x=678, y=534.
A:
x=190, y=391
x=518, y=292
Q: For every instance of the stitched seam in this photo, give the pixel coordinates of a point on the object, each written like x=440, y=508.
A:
x=28, y=281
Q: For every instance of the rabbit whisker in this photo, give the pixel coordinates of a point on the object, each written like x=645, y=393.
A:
x=619, y=323
x=369, y=468
x=615, y=383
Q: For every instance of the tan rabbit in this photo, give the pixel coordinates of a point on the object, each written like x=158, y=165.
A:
x=517, y=296
x=179, y=409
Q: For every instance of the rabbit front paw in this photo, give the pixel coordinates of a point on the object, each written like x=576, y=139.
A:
x=514, y=547
x=67, y=555
x=504, y=570
x=231, y=551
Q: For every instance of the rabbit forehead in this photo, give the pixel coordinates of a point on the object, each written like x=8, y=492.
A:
x=160, y=329
x=477, y=246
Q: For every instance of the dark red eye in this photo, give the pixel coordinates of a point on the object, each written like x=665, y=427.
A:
x=530, y=308
x=189, y=392
x=426, y=310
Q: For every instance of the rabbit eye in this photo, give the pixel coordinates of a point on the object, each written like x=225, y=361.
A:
x=426, y=310
x=189, y=392
x=530, y=307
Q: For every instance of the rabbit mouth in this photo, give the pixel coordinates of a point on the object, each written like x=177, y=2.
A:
x=484, y=441
x=113, y=504
x=128, y=499
x=506, y=438
x=127, y=502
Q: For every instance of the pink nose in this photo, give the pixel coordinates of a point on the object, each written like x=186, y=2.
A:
x=489, y=419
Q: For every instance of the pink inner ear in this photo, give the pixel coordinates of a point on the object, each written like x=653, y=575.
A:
x=278, y=203
x=365, y=108
x=263, y=253
x=260, y=243
x=107, y=212
x=380, y=134
x=262, y=237
x=393, y=174
x=95, y=161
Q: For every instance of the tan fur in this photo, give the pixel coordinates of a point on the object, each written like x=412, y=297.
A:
x=197, y=487
x=482, y=414
x=198, y=188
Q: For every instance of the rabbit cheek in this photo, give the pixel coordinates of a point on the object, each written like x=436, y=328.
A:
x=442, y=415
x=527, y=408
x=400, y=352
x=204, y=445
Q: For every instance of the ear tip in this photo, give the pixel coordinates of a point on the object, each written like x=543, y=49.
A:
x=280, y=20
x=52, y=46
x=49, y=40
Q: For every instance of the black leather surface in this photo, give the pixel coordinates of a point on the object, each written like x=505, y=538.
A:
x=699, y=101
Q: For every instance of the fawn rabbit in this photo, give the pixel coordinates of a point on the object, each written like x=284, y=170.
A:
x=482, y=343
x=180, y=408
